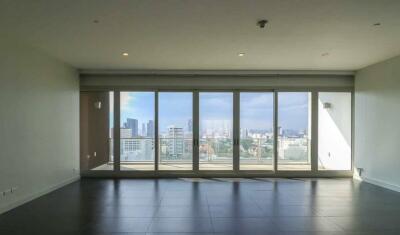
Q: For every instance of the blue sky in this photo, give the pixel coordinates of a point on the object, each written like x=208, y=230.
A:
x=215, y=110
x=137, y=105
x=293, y=110
x=256, y=109
x=174, y=109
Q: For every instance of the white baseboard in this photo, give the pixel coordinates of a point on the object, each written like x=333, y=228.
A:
x=33, y=196
x=381, y=184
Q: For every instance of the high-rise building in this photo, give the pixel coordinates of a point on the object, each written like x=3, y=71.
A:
x=150, y=128
x=175, y=142
x=244, y=133
x=125, y=133
x=144, y=129
x=133, y=125
x=190, y=125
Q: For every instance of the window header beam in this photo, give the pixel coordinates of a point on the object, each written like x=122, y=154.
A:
x=118, y=81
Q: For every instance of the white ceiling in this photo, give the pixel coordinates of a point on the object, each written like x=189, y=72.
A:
x=207, y=34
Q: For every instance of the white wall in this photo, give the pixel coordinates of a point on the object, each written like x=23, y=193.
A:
x=334, y=131
x=39, y=123
x=377, y=123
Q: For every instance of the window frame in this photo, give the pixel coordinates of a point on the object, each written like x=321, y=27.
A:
x=195, y=172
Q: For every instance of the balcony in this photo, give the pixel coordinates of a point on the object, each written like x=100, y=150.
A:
x=137, y=154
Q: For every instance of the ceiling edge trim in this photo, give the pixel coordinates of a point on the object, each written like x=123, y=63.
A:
x=216, y=72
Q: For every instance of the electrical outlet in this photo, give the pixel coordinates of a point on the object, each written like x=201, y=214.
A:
x=360, y=171
x=7, y=191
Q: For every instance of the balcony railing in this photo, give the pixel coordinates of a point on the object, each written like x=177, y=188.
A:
x=137, y=150
x=213, y=150
x=256, y=150
x=294, y=150
x=175, y=150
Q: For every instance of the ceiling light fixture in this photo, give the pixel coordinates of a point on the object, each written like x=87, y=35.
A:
x=241, y=54
x=125, y=54
x=377, y=24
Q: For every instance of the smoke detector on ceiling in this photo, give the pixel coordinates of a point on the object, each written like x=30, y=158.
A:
x=262, y=23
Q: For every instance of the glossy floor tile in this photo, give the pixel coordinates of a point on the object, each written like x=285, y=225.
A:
x=209, y=206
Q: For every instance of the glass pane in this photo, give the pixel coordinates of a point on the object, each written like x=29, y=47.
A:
x=111, y=128
x=96, y=118
x=294, y=137
x=175, y=131
x=137, y=130
x=256, y=131
x=334, y=131
x=216, y=129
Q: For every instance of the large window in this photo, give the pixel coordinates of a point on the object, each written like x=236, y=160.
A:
x=334, y=131
x=175, y=131
x=294, y=131
x=137, y=130
x=256, y=131
x=226, y=131
x=216, y=131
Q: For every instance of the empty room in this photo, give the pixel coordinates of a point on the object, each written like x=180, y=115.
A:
x=199, y=117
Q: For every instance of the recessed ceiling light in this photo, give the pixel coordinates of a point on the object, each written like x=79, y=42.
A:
x=377, y=24
x=241, y=54
x=325, y=54
x=125, y=54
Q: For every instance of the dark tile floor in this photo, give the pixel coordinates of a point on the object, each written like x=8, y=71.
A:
x=213, y=206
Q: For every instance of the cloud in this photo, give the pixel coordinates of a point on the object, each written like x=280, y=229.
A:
x=217, y=102
x=125, y=98
x=257, y=101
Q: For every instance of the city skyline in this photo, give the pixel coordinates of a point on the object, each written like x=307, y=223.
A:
x=257, y=110
x=175, y=116
x=146, y=130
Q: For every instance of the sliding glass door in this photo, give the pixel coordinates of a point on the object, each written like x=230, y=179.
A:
x=137, y=131
x=256, y=131
x=175, y=125
x=294, y=131
x=216, y=131
x=202, y=132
